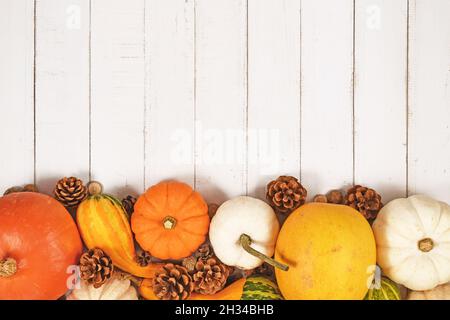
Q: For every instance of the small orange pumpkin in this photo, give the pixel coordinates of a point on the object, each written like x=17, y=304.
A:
x=170, y=220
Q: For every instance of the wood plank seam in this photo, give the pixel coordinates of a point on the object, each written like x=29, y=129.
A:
x=195, y=95
x=90, y=89
x=34, y=90
x=407, y=95
x=353, y=91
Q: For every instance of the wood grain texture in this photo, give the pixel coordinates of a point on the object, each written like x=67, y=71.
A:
x=169, y=150
x=273, y=91
x=16, y=93
x=429, y=98
x=220, y=157
x=380, y=96
x=117, y=95
x=327, y=94
x=227, y=94
x=62, y=91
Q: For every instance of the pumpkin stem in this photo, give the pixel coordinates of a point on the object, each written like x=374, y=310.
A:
x=246, y=241
x=169, y=222
x=426, y=245
x=8, y=267
x=94, y=188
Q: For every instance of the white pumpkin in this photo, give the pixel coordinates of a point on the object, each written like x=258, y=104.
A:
x=243, y=216
x=114, y=289
x=441, y=292
x=413, y=242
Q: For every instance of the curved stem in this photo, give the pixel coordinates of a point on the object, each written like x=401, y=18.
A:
x=246, y=241
x=126, y=276
x=8, y=267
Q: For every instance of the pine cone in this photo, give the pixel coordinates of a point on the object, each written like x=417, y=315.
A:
x=96, y=267
x=144, y=258
x=70, y=191
x=335, y=196
x=128, y=204
x=189, y=263
x=285, y=194
x=320, y=198
x=365, y=200
x=173, y=282
x=26, y=188
x=210, y=276
x=205, y=251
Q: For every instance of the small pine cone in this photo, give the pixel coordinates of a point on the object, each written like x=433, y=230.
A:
x=365, y=200
x=205, y=251
x=335, y=196
x=70, y=191
x=30, y=188
x=96, y=267
x=189, y=263
x=320, y=198
x=13, y=190
x=285, y=194
x=210, y=276
x=144, y=258
x=26, y=188
x=173, y=282
x=128, y=204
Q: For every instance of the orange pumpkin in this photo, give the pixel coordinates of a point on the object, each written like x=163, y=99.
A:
x=38, y=242
x=170, y=220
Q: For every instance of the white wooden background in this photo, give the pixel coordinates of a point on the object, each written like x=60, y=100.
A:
x=227, y=94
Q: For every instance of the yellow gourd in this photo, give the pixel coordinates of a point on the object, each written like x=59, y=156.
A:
x=331, y=253
x=103, y=224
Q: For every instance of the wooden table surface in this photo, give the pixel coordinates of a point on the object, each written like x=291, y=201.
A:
x=227, y=94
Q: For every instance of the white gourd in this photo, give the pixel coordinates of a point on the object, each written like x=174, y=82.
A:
x=113, y=289
x=243, y=216
x=441, y=292
x=413, y=242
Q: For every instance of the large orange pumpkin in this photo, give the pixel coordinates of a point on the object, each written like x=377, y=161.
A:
x=170, y=220
x=38, y=242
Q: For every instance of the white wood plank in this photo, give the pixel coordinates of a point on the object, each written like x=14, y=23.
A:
x=327, y=90
x=170, y=91
x=380, y=96
x=16, y=93
x=117, y=97
x=62, y=91
x=429, y=100
x=274, y=92
x=220, y=157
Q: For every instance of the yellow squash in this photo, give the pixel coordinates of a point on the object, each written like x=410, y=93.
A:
x=103, y=224
x=331, y=253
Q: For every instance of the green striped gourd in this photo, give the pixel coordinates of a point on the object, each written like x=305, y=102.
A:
x=260, y=288
x=387, y=290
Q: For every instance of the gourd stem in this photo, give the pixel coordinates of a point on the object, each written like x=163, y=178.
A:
x=426, y=245
x=8, y=267
x=94, y=188
x=169, y=222
x=246, y=242
x=126, y=276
